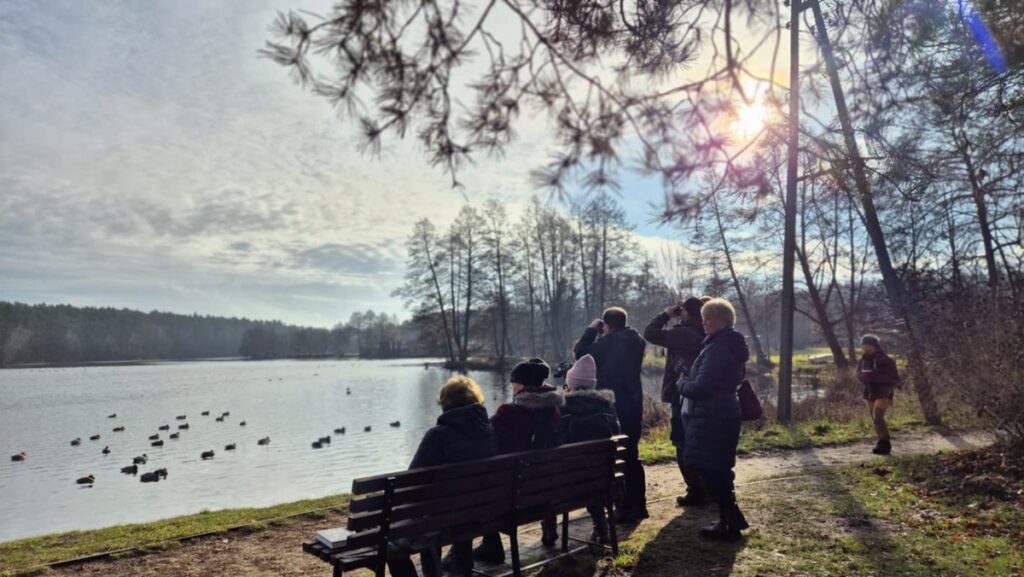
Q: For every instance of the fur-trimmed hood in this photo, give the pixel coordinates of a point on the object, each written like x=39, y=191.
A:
x=605, y=396
x=589, y=401
x=543, y=397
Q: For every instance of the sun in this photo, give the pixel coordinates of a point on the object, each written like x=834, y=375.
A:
x=750, y=119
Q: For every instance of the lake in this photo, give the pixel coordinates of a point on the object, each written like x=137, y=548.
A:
x=292, y=402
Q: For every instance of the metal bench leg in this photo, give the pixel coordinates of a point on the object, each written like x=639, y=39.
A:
x=513, y=539
x=565, y=532
x=337, y=571
x=611, y=526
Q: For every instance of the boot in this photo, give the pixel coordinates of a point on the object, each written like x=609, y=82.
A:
x=491, y=551
x=692, y=499
x=734, y=517
x=730, y=522
x=550, y=532
x=458, y=561
x=884, y=447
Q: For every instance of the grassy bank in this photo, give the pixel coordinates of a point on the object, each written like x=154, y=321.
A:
x=913, y=517
x=26, y=555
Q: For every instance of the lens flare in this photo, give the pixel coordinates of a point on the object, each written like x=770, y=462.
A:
x=750, y=119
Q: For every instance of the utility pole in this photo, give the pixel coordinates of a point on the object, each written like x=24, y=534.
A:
x=785, y=402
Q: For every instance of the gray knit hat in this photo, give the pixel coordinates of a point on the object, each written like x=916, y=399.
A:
x=871, y=340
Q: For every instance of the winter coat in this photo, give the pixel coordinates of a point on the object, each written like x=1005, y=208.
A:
x=620, y=358
x=530, y=421
x=589, y=415
x=711, y=407
x=461, y=434
x=879, y=375
x=682, y=345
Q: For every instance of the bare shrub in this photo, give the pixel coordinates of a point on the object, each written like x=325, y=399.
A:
x=656, y=414
x=977, y=358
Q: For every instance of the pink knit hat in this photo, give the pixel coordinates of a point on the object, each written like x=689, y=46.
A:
x=583, y=374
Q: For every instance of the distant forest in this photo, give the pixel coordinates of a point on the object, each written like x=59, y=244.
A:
x=43, y=333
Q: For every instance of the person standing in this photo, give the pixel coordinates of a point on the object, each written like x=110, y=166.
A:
x=619, y=355
x=682, y=343
x=589, y=415
x=878, y=372
x=712, y=416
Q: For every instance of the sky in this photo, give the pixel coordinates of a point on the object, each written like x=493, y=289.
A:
x=149, y=159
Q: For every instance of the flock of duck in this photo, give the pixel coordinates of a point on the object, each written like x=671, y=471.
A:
x=156, y=441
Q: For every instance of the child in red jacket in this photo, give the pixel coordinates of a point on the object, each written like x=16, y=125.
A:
x=877, y=371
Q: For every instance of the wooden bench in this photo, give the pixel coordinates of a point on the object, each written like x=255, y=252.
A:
x=465, y=500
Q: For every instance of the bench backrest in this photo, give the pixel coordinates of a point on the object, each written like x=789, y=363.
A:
x=520, y=487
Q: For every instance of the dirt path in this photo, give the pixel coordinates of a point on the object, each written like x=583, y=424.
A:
x=665, y=480
x=276, y=552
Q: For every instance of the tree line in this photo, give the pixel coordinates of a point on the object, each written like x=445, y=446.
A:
x=44, y=333
x=493, y=285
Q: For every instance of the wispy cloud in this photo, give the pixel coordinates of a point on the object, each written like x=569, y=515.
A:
x=149, y=159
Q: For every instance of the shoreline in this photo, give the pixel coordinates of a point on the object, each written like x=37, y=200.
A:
x=144, y=362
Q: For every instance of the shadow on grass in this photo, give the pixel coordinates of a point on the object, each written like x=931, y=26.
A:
x=674, y=550
x=677, y=550
x=874, y=541
x=954, y=438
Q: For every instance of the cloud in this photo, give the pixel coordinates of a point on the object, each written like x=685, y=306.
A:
x=149, y=159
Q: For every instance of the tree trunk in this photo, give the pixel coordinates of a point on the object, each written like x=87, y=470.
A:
x=588, y=310
x=827, y=326
x=895, y=288
x=469, y=298
x=978, y=195
x=762, y=358
x=440, y=302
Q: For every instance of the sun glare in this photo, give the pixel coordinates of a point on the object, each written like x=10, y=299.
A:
x=750, y=119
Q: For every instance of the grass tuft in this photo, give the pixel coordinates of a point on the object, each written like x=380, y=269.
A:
x=24, y=556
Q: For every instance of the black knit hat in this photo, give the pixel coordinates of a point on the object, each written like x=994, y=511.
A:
x=530, y=373
x=692, y=307
x=871, y=340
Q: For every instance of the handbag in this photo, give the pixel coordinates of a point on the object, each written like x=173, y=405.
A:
x=750, y=405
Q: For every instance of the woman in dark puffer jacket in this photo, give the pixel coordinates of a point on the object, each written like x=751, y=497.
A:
x=712, y=417
x=589, y=415
x=463, y=433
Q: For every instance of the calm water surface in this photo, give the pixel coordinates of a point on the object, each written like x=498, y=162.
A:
x=292, y=402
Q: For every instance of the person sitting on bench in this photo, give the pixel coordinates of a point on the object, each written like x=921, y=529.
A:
x=530, y=421
x=463, y=433
x=589, y=415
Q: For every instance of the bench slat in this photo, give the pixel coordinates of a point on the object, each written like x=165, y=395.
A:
x=560, y=466
x=422, y=525
x=568, y=478
x=598, y=487
x=363, y=521
x=459, y=470
x=438, y=474
x=415, y=494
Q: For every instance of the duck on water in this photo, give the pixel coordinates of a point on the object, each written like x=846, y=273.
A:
x=153, y=476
